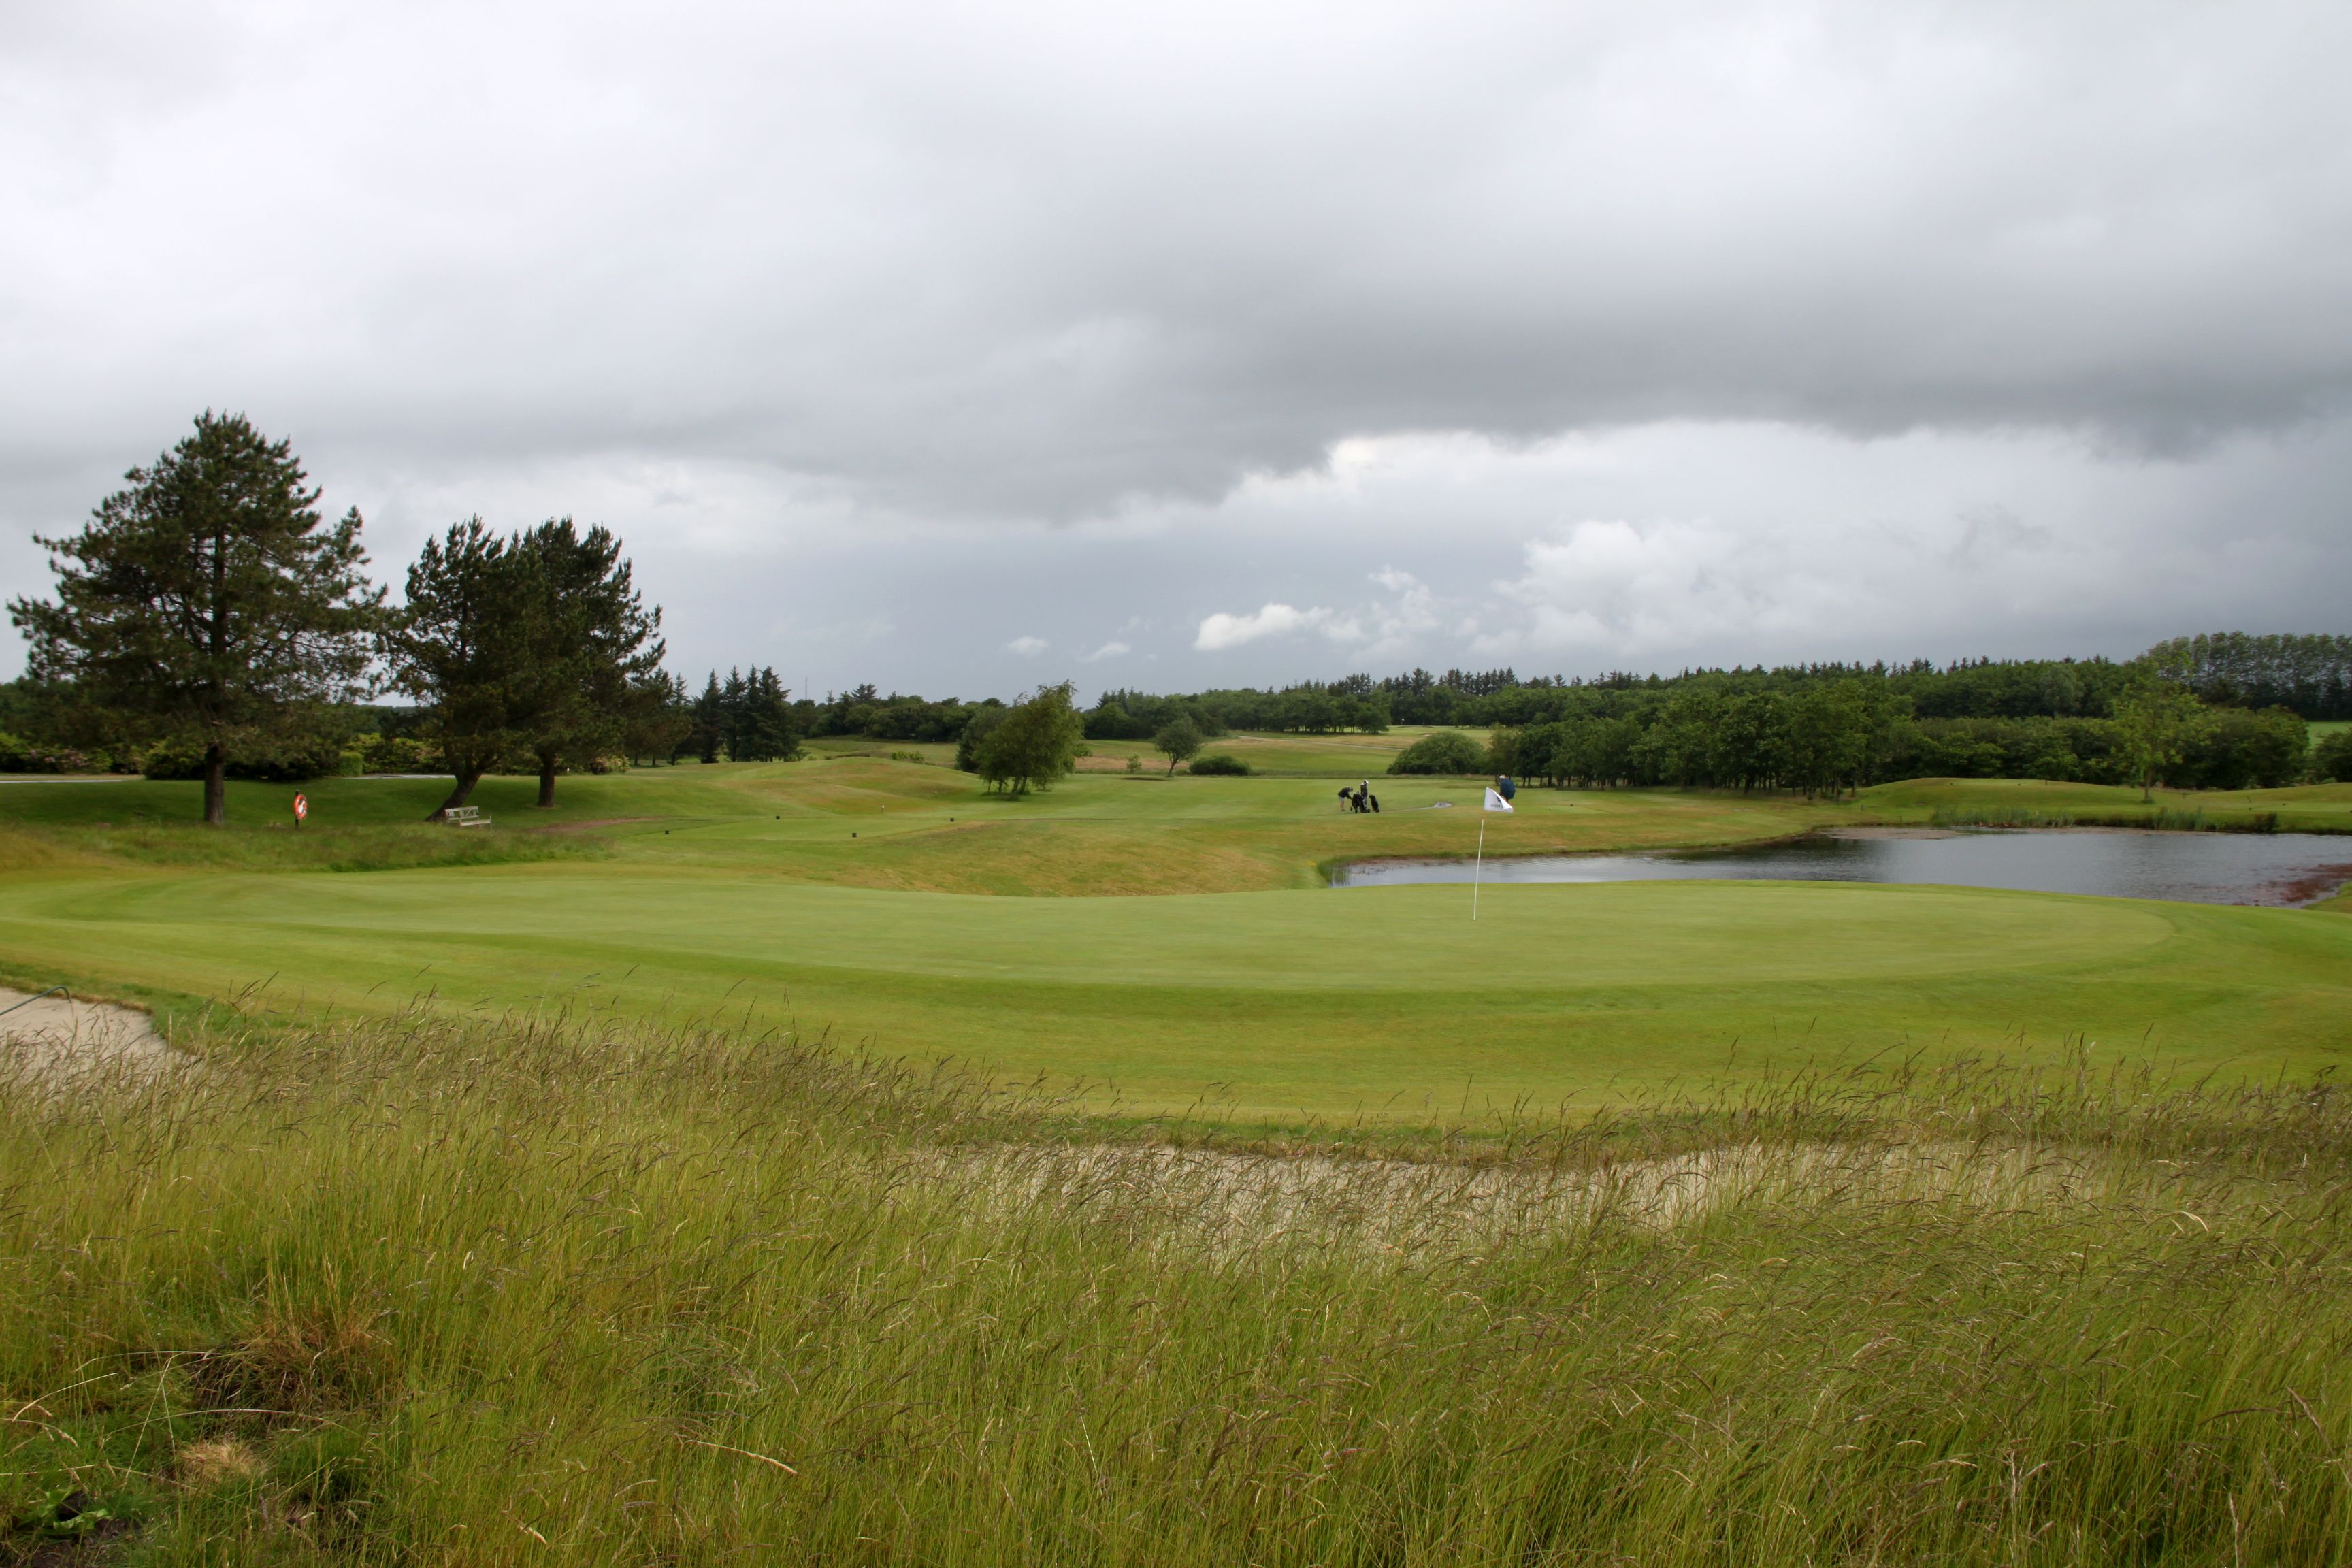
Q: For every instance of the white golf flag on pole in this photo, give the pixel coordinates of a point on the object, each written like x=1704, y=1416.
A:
x=1494, y=801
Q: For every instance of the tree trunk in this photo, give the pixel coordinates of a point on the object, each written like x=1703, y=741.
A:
x=215, y=785
x=546, y=780
x=466, y=782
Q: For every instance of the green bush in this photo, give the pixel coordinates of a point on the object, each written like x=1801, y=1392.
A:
x=18, y=755
x=2332, y=758
x=1447, y=752
x=2240, y=750
x=288, y=761
x=1222, y=765
x=398, y=755
x=976, y=731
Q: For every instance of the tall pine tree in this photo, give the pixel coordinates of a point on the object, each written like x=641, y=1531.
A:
x=455, y=647
x=587, y=636
x=208, y=602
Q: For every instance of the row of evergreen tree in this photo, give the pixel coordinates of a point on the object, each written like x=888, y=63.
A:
x=207, y=611
x=746, y=718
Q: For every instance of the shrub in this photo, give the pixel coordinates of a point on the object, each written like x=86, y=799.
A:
x=317, y=754
x=2332, y=759
x=976, y=731
x=1447, y=752
x=1224, y=764
x=399, y=754
x=21, y=756
x=2239, y=750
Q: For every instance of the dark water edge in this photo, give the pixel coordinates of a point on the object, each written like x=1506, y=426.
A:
x=2282, y=870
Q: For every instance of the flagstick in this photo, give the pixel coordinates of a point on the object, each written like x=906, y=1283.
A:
x=1478, y=868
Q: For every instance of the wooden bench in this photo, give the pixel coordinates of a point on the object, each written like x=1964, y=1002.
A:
x=464, y=816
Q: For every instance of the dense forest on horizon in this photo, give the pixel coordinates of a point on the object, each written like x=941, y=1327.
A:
x=1969, y=718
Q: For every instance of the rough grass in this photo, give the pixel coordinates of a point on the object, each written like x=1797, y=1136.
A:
x=481, y=1293
x=383, y=848
x=2035, y=803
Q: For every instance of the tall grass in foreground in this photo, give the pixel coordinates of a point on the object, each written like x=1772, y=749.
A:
x=428, y=1290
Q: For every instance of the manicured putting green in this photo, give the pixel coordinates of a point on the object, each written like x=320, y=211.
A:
x=1267, y=1006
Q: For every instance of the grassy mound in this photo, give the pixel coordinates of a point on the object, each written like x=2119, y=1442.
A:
x=490, y=1292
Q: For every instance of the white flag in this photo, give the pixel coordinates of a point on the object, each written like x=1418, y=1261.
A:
x=1494, y=801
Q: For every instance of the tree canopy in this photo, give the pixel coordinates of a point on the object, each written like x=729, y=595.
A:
x=2158, y=722
x=1039, y=739
x=1179, y=741
x=538, y=642
x=586, y=639
x=456, y=646
x=1447, y=752
x=208, y=602
x=749, y=718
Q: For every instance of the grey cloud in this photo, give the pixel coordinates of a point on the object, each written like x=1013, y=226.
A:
x=1041, y=262
x=889, y=333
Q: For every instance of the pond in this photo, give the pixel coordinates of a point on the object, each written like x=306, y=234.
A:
x=2281, y=869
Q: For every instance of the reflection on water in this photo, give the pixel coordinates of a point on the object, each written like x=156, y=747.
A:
x=2196, y=867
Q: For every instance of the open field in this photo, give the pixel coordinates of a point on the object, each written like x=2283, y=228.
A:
x=1244, y=988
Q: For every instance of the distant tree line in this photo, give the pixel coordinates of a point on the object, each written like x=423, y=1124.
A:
x=1839, y=735
x=750, y=716
x=208, y=622
x=1312, y=708
x=2311, y=676
x=1825, y=727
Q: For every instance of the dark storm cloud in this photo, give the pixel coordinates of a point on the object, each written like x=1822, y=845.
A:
x=759, y=271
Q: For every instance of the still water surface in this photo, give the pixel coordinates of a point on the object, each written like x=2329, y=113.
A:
x=2199, y=867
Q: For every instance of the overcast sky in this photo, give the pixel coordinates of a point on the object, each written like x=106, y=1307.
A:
x=958, y=347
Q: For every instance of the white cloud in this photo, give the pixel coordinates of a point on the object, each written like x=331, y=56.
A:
x=1027, y=648
x=1222, y=631
x=1609, y=585
x=1107, y=650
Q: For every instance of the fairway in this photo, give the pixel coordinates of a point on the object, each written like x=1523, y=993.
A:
x=1269, y=1006
x=893, y=905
